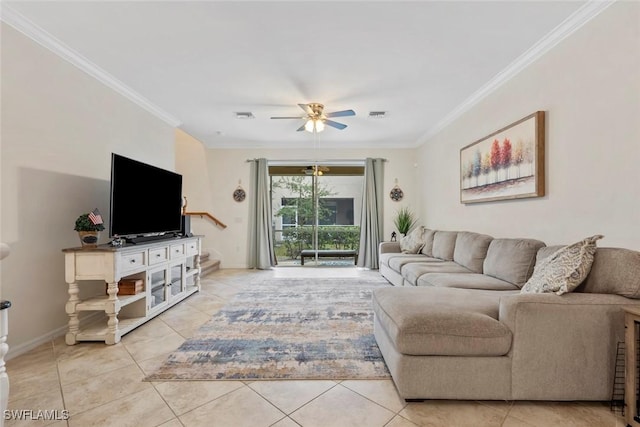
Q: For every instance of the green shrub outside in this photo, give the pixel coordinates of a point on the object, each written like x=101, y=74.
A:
x=295, y=239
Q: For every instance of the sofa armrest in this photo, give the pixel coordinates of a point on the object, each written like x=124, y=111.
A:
x=563, y=346
x=389, y=247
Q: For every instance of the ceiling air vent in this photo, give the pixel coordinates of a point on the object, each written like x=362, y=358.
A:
x=245, y=115
x=377, y=114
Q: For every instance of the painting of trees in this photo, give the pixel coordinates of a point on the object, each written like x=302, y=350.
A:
x=477, y=165
x=505, y=164
x=518, y=155
x=486, y=165
x=495, y=158
x=528, y=156
x=505, y=156
x=468, y=172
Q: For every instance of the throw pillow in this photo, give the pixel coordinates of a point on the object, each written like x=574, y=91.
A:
x=412, y=242
x=564, y=270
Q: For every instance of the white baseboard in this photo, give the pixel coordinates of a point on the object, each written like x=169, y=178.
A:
x=20, y=349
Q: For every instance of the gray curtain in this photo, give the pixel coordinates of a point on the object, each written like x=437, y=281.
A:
x=371, y=219
x=261, y=253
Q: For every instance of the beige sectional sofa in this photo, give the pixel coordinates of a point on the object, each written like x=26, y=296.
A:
x=457, y=326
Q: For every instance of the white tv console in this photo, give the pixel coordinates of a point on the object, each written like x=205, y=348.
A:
x=169, y=269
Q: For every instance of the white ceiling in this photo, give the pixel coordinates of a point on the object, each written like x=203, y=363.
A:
x=197, y=63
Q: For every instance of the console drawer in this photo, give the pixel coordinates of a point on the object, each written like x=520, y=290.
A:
x=158, y=255
x=192, y=248
x=177, y=251
x=133, y=260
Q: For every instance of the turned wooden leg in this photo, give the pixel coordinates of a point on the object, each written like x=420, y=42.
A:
x=113, y=335
x=70, y=308
x=196, y=261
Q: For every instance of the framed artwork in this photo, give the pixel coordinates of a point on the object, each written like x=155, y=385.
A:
x=508, y=164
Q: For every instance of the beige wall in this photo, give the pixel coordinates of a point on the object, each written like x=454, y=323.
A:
x=59, y=127
x=226, y=167
x=589, y=85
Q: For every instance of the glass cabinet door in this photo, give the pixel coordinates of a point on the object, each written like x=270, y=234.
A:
x=157, y=291
x=177, y=274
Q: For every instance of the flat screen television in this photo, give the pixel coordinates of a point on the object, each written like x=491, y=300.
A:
x=145, y=200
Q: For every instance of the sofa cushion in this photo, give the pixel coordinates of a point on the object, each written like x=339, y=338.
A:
x=412, y=271
x=397, y=262
x=427, y=249
x=614, y=271
x=471, y=250
x=444, y=243
x=564, y=270
x=547, y=251
x=466, y=281
x=412, y=242
x=512, y=260
x=385, y=258
x=442, y=321
x=399, y=259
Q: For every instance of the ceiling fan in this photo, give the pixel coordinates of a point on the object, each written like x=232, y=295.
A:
x=315, y=170
x=316, y=119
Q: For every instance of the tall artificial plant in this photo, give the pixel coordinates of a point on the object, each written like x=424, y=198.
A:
x=404, y=220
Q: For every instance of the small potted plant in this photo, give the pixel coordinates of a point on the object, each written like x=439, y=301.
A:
x=404, y=220
x=89, y=229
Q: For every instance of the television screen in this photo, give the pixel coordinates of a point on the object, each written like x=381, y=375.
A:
x=144, y=199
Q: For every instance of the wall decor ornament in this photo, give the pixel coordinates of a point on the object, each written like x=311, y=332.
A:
x=396, y=193
x=239, y=194
x=507, y=164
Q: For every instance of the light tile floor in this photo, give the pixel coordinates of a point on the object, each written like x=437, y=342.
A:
x=103, y=385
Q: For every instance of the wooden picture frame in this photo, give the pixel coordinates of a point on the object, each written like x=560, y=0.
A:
x=508, y=164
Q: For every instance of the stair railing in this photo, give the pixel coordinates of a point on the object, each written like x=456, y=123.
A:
x=208, y=215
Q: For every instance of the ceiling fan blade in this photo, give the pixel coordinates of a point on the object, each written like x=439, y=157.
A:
x=306, y=108
x=287, y=117
x=343, y=113
x=334, y=124
x=301, y=128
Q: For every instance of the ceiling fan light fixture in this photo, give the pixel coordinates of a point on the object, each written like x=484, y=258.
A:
x=309, y=126
x=315, y=170
x=314, y=125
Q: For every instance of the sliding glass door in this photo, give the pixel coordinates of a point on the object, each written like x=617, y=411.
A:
x=316, y=212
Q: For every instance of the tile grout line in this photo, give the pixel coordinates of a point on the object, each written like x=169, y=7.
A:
x=375, y=403
x=321, y=394
x=55, y=360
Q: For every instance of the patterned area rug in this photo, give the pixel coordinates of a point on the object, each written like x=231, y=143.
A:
x=316, y=328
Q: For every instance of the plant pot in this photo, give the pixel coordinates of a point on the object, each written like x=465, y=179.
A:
x=89, y=239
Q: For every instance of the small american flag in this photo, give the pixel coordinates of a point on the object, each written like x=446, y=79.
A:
x=95, y=217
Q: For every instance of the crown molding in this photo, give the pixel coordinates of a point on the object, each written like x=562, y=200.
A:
x=580, y=17
x=278, y=145
x=40, y=36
